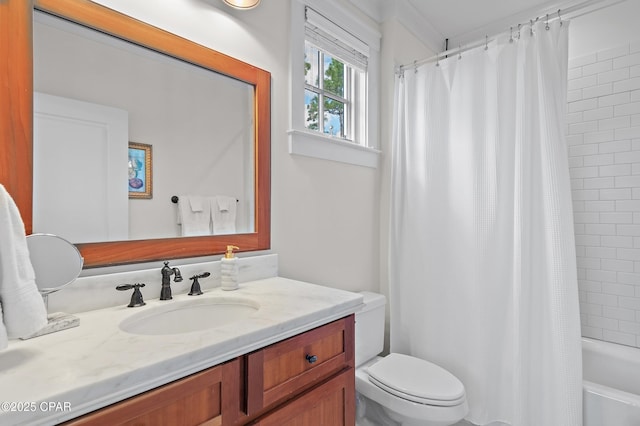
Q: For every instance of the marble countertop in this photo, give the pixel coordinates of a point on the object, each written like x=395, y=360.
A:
x=60, y=376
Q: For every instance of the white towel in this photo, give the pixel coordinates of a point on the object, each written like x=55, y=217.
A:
x=223, y=212
x=23, y=308
x=194, y=214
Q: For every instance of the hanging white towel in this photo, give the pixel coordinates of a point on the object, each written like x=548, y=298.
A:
x=23, y=308
x=223, y=212
x=194, y=214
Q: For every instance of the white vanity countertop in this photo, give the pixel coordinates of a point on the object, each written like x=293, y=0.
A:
x=62, y=375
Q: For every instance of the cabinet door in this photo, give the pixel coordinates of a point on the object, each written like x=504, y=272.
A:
x=210, y=398
x=331, y=403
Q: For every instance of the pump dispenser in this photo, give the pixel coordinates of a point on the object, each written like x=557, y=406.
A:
x=229, y=269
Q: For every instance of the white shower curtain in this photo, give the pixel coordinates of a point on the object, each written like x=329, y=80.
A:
x=482, y=257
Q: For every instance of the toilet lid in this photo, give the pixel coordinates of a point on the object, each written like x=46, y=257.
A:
x=416, y=380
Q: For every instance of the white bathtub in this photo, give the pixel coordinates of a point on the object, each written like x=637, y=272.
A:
x=611, y=376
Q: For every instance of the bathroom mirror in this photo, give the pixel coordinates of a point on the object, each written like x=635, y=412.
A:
x=56, y=262
x=16, y=118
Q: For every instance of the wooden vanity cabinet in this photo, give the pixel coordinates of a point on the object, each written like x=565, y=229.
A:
x=305, y=380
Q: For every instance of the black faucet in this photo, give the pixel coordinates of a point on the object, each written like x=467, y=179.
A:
x=166, y=271
x=136, y=297
x=195, y=286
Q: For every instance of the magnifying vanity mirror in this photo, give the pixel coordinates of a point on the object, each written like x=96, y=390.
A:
x=202, y=136
x=56, y=262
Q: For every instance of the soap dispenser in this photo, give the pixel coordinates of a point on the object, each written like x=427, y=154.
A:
x=229, y=270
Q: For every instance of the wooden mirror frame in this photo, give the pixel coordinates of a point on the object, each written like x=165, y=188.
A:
x=16, y=123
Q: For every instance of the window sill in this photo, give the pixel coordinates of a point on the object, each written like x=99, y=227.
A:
x=314, y=145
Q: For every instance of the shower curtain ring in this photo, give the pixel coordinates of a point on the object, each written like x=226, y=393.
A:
x=510, y=34
x=559, y=17
x=459, y=52
x=415, y=67
x=546, y=26
x=486, y=42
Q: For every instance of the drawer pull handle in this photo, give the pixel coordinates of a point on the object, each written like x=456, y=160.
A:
x=311, y=358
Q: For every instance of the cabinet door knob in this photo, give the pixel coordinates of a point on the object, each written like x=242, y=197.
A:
x=311, y=358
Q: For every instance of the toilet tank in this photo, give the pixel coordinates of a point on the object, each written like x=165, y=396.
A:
x=370, y=327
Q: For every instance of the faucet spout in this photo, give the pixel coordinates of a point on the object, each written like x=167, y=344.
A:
x=166, y=272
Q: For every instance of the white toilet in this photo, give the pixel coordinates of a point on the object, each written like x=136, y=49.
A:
x=400, y=389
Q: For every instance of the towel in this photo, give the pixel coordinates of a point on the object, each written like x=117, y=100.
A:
x=23, y=308
x=194, y=214
x=223, y=212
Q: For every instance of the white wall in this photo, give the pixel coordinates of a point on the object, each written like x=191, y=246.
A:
x=604, y=155
x=325, y=220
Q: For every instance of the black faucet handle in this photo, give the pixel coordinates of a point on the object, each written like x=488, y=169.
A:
x=195, y=286
x=136, y=297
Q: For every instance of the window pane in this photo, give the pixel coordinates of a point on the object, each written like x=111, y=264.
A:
x=333, y=75
x=311, y=65
x=333, y=117
x=311, y=110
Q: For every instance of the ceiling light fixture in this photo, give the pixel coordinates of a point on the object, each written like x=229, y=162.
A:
x=242, y=4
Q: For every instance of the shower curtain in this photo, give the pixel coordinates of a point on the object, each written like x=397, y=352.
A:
x=482, y=257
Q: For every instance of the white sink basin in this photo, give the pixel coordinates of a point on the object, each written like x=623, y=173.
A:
x=185, y=316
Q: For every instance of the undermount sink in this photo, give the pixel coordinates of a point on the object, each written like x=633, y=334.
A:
x=176, y=317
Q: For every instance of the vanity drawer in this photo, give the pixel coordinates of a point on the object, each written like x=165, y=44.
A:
x=284, y=369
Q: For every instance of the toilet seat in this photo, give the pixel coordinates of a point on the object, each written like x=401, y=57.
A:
x=416, y=380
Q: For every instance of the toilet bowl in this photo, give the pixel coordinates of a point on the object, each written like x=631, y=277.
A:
x=410, y=391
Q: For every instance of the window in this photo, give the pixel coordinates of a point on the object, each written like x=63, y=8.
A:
x=331, y=101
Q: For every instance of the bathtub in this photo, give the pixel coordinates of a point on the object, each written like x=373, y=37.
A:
x=611, y=376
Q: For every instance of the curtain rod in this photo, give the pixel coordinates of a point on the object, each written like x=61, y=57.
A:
x=571, y=12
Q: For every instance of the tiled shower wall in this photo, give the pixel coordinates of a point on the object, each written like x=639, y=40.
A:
x=604, y=160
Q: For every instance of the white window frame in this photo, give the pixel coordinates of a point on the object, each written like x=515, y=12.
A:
x=302, y=141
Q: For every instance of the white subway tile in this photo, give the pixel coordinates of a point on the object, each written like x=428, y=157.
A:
x=627, y=205
x=602, y=138
x=605, y=323
x=627, y=109
x=635, y=120
x=627, y=157
x=600, y=206
x=583, y=172
x=588, y=240
x=614, y=123
x=618, y=217
x=638, y=295
x=591, y=309
x=616, y=194
x=582, y=274
x=575, y=140
x=597, y=114
x=598, y=160
x=576, y=162
x=602, y=299
x=629, y=302
x=576, y=95
x=635, y=194
x=636, y=243
x=634, y=96
x=628, y=254
x=585, y=194
x=617, y=241
x=626, y=85
x=598, y=183
x=597, y=68
x=580, y=254
x=629, y=280
x=574, y=73
x=627, y=181
x=586, y=217
x=634, y=71
x=576, y=117
x=577, y=183
x=635, y=169
x=578, y=206
x=601, y=252
x=589, y=126
x=616, y=99
x=629, y=230
x=590, y=286
x=589, y=81
x=578, y=228
x=634, y=46
x=610, y=53
x=596, y=91
x=618, y=313
x=601, y=229
x=617, y=265
x=625, y=61
x=588, y=263
x=615, y=170
x=628, y=133
x=582, y=60
x=608, y=77
x=618, y=337
x=629, y=327
x=619, y=289
x=591, y=332
x=583, y=105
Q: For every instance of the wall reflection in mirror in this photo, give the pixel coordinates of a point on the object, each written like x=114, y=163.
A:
x=93, y=95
